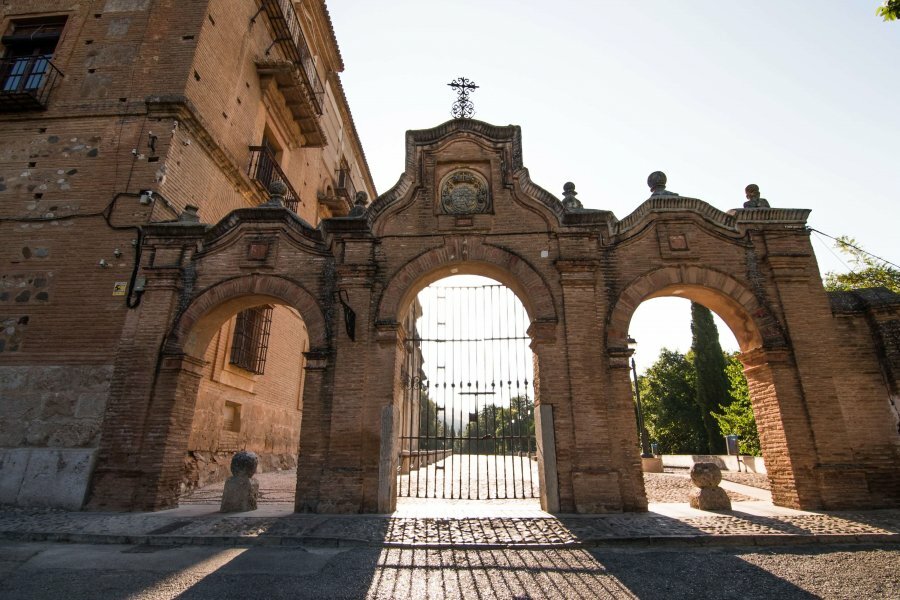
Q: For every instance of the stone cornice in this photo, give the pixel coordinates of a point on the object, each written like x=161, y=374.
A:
x=669, y=204
x=183, y=110
x=423, y=137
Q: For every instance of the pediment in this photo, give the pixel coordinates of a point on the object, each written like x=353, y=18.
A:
x=465, y=175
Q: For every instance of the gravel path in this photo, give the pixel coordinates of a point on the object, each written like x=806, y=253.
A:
x=277, y=487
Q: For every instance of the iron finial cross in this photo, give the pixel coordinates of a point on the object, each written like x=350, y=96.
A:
x=463, y=107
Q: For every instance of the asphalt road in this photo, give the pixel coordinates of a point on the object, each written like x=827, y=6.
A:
x=36, y=571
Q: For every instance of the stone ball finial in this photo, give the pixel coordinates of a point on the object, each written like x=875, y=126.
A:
x=753, y=198
x=277, y=189
x=570, y=202
x=244, y=463
x=706, y=475
x=189, y=214
x=657, y=180
x=359, y=206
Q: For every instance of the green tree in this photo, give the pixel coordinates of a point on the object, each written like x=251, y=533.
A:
x=867, y=272
x=431, y=422
x=737, y=418
x=889, y=10
x=710, y=379
x=671, y=414
x=500, y=429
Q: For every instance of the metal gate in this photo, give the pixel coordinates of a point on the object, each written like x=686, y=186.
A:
x=467, y=419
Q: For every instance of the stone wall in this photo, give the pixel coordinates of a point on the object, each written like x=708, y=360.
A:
x=50, y=421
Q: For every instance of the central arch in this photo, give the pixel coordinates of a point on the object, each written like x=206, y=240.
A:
x=469, y=258
x=398, y=302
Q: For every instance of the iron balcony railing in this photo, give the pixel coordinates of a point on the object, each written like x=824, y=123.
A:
x=289, y=36
x=26, y=82
x=345, y=186
x=264, y=168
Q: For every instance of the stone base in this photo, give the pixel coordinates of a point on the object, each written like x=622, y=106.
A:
x=56, y=477
x=240, y=494
x=652, y=465
x=713, y=498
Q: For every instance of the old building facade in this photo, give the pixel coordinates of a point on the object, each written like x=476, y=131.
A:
x=118, y=113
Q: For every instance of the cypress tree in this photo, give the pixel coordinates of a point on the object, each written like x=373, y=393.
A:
x=713, y=388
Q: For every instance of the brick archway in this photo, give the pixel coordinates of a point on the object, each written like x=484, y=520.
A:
x=195, y=325
x=159, y=448
x=474, y=259
x=753, y=325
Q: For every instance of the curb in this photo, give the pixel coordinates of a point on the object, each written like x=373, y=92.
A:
x=313, y=541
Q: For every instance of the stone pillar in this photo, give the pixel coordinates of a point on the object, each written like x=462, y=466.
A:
x=119, y=473
x=315, y=430
x=388, y=360
x=808, y=322
x=167, y=430
x=543, y=337
x=625, y=441
x=597, y=467
x=784, y=430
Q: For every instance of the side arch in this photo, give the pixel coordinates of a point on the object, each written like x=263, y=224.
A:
x=753, y=325
x=469, y=259
x=195, y=326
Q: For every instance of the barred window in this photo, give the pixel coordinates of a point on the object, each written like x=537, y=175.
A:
x=251, y=338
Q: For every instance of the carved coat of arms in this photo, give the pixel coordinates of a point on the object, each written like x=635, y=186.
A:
x=464, y=192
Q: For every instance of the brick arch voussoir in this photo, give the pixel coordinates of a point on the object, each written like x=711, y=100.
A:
x=289, y=292
x=538, y=297
x=652, y=284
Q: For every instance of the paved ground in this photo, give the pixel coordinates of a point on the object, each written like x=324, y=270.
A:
x=38, y=571
x=507, y=549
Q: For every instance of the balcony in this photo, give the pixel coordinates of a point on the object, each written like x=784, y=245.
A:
x=264, y=169
x=344, y=185
x=289, y=37
x=26, y=82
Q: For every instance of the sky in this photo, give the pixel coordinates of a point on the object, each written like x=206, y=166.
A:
x=798, y=97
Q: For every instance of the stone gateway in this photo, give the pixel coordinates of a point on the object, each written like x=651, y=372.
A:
x=822, y=370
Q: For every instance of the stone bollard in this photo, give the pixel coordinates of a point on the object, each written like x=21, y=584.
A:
x=706, y=476
x=241, y=490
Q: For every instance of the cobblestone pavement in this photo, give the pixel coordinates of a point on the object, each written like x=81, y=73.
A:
x=454, y=523
x=757, y=480
x=209, y=527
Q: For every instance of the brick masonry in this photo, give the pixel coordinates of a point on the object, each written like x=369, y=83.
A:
x=154, y=96
x=817, y=378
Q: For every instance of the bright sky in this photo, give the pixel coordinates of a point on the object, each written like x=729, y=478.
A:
x=798, y=97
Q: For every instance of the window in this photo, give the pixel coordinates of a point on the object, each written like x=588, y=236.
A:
x=251, y=339
x=26, y=71
x=231, y=417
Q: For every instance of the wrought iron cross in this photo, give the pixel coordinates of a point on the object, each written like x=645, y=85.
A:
x=463, y=107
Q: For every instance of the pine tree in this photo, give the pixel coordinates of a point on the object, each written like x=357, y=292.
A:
x=712, y=382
